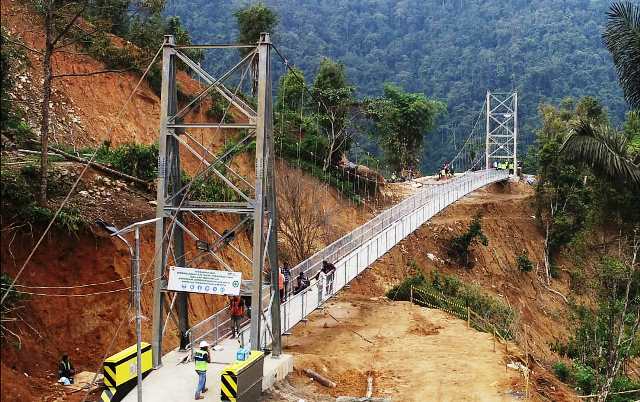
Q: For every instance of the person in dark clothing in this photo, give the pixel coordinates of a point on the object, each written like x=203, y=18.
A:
x=66, y=369
x=301, y=283
x=330, y=270
x=286, y=271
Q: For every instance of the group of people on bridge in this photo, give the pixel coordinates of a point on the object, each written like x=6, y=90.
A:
x=446, y=171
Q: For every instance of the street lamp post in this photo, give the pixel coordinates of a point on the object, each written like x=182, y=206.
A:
x=136, y=285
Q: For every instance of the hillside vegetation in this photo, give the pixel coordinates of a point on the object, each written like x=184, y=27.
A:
x=451, y=50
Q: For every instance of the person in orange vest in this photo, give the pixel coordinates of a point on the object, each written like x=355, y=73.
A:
x=237, y=313
x=281, y=285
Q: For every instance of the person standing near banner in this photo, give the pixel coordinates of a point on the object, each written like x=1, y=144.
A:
x=202, y=358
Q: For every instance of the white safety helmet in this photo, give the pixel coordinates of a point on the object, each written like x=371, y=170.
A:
x=204, y=344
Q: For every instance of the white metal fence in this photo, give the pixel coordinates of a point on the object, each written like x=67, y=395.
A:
x=354, y=252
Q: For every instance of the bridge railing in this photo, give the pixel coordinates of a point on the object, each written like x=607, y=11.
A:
x=355, y=251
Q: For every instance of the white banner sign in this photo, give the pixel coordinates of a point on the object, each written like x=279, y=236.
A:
x=204, y=281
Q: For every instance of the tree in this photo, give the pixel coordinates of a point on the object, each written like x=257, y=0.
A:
x=337, y=101
x=561, y=195
x=622, y=38
x=12, y=62
x=71, y=23
x=303, y=217
x=402, y=119
x=605, y=150
x=252, y=21
x=606, y=335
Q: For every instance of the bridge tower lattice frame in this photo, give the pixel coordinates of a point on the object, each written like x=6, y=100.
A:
x=258, y=199
x=501, y=134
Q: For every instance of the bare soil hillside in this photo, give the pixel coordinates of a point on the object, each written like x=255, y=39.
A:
x=415, y=353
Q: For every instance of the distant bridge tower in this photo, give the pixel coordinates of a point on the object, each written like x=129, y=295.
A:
x=501, y=128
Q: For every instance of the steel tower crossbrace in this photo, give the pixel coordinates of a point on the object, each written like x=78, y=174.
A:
x=172, y=206
x=501, y=128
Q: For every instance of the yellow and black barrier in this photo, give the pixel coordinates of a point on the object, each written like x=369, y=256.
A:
x=241, y=381
x=121, y=372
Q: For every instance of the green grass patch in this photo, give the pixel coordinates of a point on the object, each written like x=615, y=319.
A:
x=139, y=160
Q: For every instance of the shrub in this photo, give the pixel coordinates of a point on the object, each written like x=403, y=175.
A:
x=524, y=264
x=460, y=245
x=219, y=105
x=209, y=188
x=137, y=160
x=561, y=371
x=585, y=378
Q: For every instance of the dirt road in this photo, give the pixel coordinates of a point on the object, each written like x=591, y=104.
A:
x=413, y=354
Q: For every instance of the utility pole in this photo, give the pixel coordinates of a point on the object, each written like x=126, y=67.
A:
x=138, y=290
x=136, y=283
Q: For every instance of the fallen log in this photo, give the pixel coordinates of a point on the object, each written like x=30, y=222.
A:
x=321, y=379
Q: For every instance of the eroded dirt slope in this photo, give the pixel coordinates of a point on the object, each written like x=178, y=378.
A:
x=418, y=353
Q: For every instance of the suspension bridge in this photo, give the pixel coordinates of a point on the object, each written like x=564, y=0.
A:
x=485, y=157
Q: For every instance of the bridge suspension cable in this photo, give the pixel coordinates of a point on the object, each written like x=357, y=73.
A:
x=472, y=150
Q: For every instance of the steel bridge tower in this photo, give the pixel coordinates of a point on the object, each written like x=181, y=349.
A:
x=181, y=216
x=501, y=128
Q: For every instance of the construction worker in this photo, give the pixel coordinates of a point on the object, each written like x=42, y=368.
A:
x=237, y=314
x=65, y=370
x=202, y=358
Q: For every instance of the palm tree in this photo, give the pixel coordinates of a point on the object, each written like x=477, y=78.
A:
x=606, y=150
x=622, y=38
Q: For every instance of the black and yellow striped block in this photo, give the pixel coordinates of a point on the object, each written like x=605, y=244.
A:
x=107, y=394
x=228, y=387
x=241, y=381
x=122, y=367
x=121, y=372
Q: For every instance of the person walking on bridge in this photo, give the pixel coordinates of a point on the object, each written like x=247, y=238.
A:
x=237, y=313
x=202, y=358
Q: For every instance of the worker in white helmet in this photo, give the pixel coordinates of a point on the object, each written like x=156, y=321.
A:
x=202, y=358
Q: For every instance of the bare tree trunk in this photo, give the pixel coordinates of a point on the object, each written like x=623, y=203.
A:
x=547, y=258
x=46, y=96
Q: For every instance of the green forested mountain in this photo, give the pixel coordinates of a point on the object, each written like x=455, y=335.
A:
x=453, y=50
